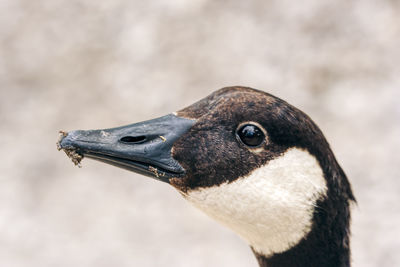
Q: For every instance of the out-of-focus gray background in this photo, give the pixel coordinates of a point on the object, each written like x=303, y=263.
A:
x=85, y=64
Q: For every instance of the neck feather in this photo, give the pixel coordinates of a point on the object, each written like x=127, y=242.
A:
x=326, y=245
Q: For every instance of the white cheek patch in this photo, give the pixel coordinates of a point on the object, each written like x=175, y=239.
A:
x=272, y=207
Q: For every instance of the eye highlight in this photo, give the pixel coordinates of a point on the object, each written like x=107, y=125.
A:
x=250, y=134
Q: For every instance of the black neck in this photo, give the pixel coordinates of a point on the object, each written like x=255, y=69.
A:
x=326, y=245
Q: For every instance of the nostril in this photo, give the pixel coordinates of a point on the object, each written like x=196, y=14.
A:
x=133, y=139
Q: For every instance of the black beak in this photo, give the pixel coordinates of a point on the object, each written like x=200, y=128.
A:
x=143, y=147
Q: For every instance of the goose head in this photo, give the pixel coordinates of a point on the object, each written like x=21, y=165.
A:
x=249, y=160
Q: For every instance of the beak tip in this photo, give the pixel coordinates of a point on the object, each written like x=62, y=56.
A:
x=66, y=142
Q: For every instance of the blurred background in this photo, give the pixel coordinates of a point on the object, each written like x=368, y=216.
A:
x=85, y=64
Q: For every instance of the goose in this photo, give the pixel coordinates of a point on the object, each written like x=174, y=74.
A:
x=249, y=160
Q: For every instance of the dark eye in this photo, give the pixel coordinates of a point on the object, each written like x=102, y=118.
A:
x=251, y=135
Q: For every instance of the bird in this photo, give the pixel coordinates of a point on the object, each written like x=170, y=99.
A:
x=249, y=160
